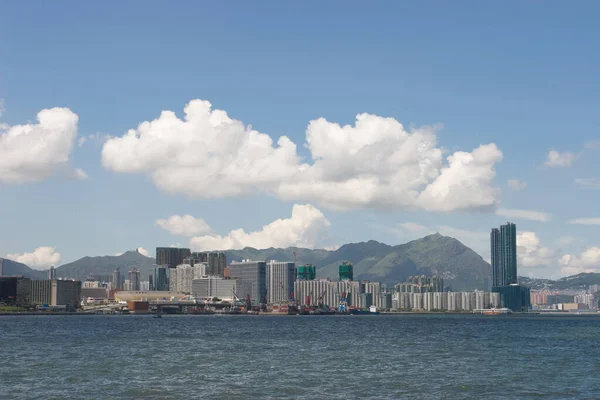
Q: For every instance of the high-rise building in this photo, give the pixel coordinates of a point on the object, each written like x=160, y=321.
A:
x=116, y=279
x=209, y=287
x=171, y=256
x=346, y=271
x=216, y=263
x=254, y=272
x=306, y=272
x=280, y=280
x=56, y=293
x=52, y=273
x=503, y=244
x=1, y=266
x=134, y=279
x=161, y=279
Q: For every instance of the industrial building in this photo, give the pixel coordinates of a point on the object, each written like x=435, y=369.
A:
x=56, y=292
x=254, y=272
x=280, y=281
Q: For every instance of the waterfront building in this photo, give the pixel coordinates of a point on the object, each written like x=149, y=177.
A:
x=171, y=257
x=428, y=301
x=311, y=292
x=254, y=272
x=134, y=279
x=585, y=299
x=416, y=301
x=440, y=301
x=116, y=279
x=503, y=243
x=15, y=290
x=56, y=292
x=280, y=281
x=383, y=301
x=210, y=287
x=467, y=301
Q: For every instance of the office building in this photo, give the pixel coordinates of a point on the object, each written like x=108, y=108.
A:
x=15, y=291
x=254, y=272
x=56, y=293
x=161, y=279
x=210, y=287
x=503, y=245
x=280, y=281
x=171, y=257
x=134, y=279
x=116, y=279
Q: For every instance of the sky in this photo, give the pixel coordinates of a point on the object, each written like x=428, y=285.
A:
x=217, y=125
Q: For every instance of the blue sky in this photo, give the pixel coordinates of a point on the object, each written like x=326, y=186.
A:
x=520, y=75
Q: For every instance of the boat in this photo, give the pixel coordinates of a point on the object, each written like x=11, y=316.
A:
x=493, y=311
x=157, y=315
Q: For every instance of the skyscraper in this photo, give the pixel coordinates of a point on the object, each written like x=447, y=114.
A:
x=134, y=279
x=161, y=279
x=254, y=272
x=52, y=273
x=116, y=279
x=280, y=281
x=503, y=243
x=171, y=256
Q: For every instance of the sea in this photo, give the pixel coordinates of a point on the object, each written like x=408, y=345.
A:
x=408, y=356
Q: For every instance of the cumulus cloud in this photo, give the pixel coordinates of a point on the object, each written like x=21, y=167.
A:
x=585, y=221
x=531, y=253
x=41, y=258
x=516, y=184
x=94, y=137
x=31, y=152
x=587, y=261
x=185, y=225
x=588, y=183
x=307, y=227
x=556, y=159
x=523, y=214
x=376, y=163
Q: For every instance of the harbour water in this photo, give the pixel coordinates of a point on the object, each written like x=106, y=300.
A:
x=301, y=357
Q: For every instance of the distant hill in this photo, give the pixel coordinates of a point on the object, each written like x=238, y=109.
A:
x=574, y=282
x=105, y=265
x=461, y=267
x=14, y=268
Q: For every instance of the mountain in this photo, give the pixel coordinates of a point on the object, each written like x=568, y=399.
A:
x=14, y=268
x=574, y=282
x=461, y=267
x=105, y=265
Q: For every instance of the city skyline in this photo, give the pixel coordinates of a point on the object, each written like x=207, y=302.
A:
x=467, y=128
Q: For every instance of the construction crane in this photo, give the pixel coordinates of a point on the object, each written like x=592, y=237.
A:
x=343, y=303
x=320, y=301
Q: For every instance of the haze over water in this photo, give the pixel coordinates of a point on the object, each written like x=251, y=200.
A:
x=241, y=357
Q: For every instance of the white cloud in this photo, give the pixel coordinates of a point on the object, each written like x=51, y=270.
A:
x=566, y=240
x=307, y=227
x=2, y=109
x=94, y=137
x=374, y=164
x=413, y=227
x=592, y=145
x=523, y=214
x=41, y=258
x=556, y=159
x=531, y=253
x=589, y=183
x=143, y=251
x=78, y=174
x=585, y=221
x=586, y=261
x=516, y=184
x=185, y=225
x=31, y=152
